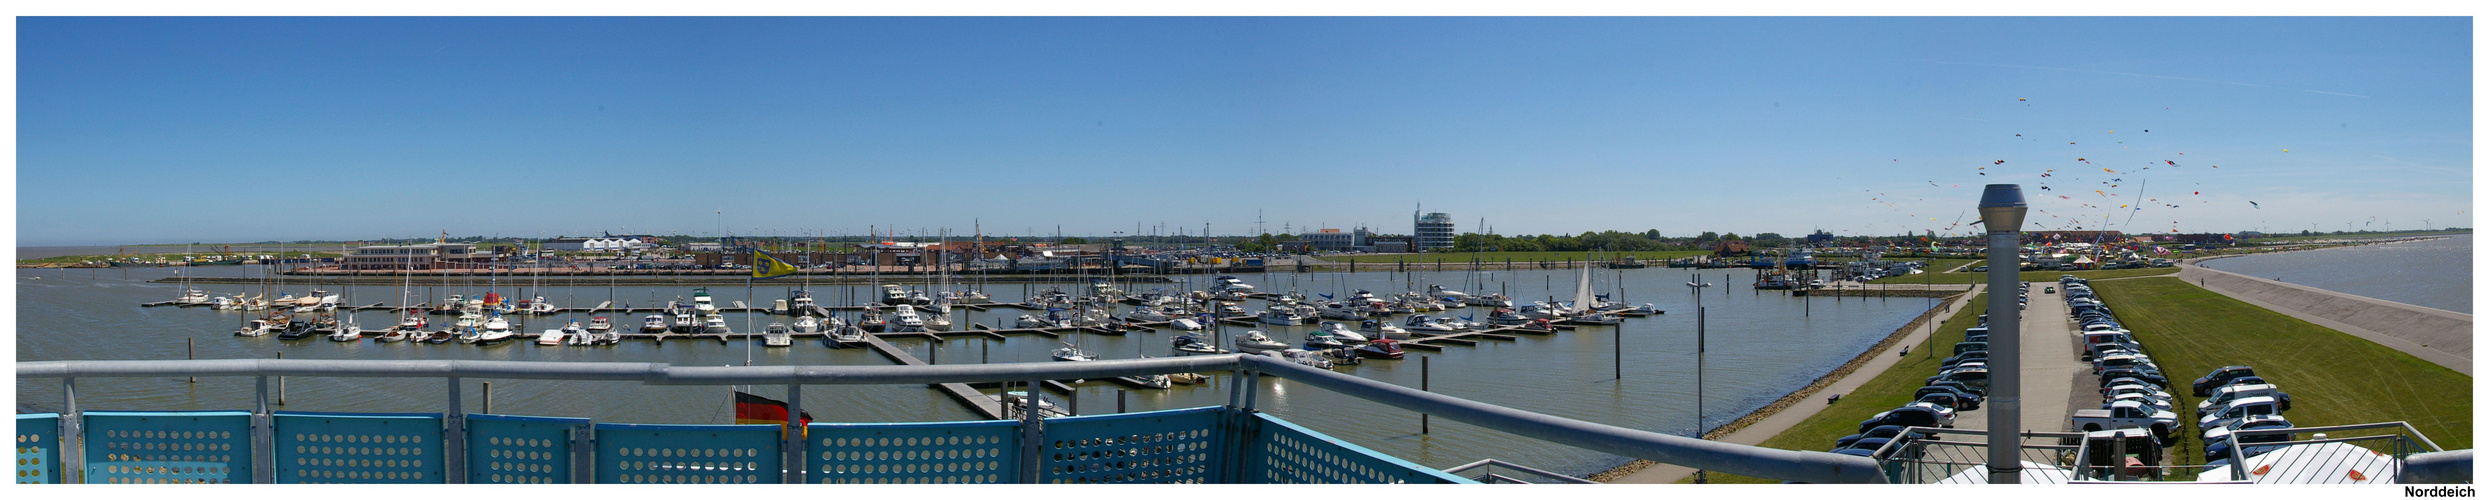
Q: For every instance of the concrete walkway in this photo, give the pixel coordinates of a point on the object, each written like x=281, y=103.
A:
x=1789, y=417
x=2439, y=336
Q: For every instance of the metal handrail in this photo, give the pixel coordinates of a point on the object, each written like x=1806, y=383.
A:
x=1747, y=460
x=1488, y=463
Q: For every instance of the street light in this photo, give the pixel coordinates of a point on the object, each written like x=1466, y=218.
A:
x=2001, y=209
x=1697, y=287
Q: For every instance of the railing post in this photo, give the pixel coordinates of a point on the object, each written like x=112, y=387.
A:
x=72, y=442
x=795, y=435
x=454, y=437
x=263, y=436
x=583, y=453
x=1032, y=434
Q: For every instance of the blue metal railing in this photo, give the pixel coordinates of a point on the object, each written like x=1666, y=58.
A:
x=1226, y=444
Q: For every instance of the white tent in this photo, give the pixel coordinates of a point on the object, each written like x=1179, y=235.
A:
x=2319, y=463
x=2032, y=473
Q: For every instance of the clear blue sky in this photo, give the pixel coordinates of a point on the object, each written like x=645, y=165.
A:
x=140, y=130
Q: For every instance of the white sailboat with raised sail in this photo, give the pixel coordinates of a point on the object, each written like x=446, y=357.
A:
x=1585, y=303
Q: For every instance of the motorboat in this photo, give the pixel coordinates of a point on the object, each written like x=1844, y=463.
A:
x=777, y=306
x=1186, y=324
x=1304, y=357
x=714, y=323
x=396, y=335
x=295, y=329
x=938, y=321
x=701, y=302
x=1071, y=352
x=448, y=306
x=600, y=325
x=893, y=295
x=1145, y=314
x=918, y=298
x=1381, y=349
x=1230, y=284
x=574, y=329
x=551, y=338
x=442, y=336
x=254, y=328
x=1280, y=314
x=801, y=302
x=1032, y=321
x=1428, y=324
x=1342, y=310
x=686, y=321
x=807, y=325
x=1016, y=403
x=1231, y=310
x=871, y=321
x=777, y=335
x=495, y=329
x=906, y=320
x=844, y=336
x=1446, y=295
x=1186, y=345
x=324, y=323
x=1375, y=328
x=1342, y=333
x=654, y=324
x=974, y=297
x=1255, y=341
x=1488, y=300
x=1319, y=340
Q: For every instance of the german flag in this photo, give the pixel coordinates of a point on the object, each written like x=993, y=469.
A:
x=751, y=409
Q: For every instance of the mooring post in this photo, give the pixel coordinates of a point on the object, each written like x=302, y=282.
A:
x=488, y=397
x=1425, y=378
x=192, y=345
x=1119, y=399
x=280, y=383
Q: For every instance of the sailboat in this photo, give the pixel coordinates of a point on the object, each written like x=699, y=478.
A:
x=1585, y=304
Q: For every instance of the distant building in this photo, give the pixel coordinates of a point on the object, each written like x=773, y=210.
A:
x=1392, y=244
x=1820, y=237
x=1334, y=240
x=566, y=244
x=1434, y=231
x=704, y=246
x=422, y=257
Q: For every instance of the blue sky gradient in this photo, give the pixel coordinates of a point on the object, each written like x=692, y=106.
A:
x=148, y=130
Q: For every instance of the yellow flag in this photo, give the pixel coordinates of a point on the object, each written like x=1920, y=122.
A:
x=765, y=266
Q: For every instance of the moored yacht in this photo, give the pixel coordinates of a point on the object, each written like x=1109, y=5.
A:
x=1255, y=341
x=1280, y=314
x=906, y=320
x=654, y=324
x=777, y=335
x=600, y=325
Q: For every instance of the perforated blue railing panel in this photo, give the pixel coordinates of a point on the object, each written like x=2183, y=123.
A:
x=1170, y=446
x=915, y=453
x=38, y=448
x=510, y=449
x=167, y=448
x=687, y=454
x=1285, y=453
x=358, y=448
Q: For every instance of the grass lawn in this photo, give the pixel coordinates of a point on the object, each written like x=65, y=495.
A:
x=1454, y=257
x=2333, y=378
x=1886, y=391
x=1967, y=277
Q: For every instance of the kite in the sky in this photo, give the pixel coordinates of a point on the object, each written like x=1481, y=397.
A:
x=2000, y=162
x=2258, y=207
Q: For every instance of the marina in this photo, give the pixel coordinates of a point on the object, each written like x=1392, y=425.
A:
x=1778, y=330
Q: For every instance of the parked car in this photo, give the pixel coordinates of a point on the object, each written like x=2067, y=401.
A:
x=1884, y=431
x=1980, y=391
x=2156, y=404
x=2136, y=389
x=2127, y=415
x=1974, y=376
x=2225, y=394
x=1944, y=415
x=2217, y=442
x=1962, y=347
x=2238, y=409
x=2151, y=375
x=2220, y=377
x=1907, y=416
x=1949, y=401
x=1968, y=400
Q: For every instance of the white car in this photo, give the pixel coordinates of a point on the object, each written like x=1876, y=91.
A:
x=2127, y=415
x=2240, y=408
x=2223, y=395
x=2158, y=405
x=2136, y=389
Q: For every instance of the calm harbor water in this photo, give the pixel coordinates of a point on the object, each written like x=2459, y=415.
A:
x=1762, y=345
x=2428, y=273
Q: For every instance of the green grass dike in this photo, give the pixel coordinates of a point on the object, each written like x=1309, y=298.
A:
x=1652, y=257
x=1967, y=277
x=2333, y=378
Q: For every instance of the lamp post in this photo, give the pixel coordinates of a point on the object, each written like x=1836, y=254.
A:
x=2001, y=209
x=1697, y=287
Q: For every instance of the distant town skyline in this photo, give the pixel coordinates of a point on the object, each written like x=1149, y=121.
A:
x=164, y=130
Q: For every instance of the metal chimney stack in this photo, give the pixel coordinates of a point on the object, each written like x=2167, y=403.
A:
x=2001, y=209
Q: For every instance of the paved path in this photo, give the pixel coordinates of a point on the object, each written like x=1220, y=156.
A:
x=1790, y=417
x=2437, y=335
x=2054, y=376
